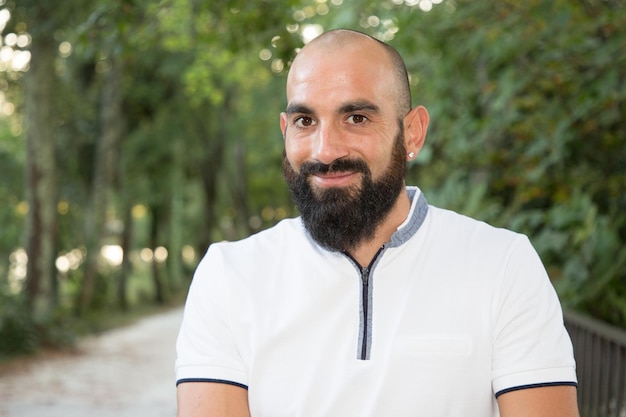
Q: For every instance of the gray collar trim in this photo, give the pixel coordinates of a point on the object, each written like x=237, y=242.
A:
x=417, y=215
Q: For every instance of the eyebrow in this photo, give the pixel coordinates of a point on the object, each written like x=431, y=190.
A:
x=356, y=106
x=298, y=108
x=360, y=105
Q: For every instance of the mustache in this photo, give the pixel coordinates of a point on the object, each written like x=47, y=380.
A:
x=338, y=165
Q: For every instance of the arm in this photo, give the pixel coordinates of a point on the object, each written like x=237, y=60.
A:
x=206, y=349
x=558, y=401
x=531, y=345
x=207, y=399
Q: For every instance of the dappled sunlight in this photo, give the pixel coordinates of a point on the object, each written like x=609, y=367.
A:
x=265, y=54
x=310, y=32
x=156, y=123
x=63, y=207
x=189, y=255
x=70, y=261
x=268, y=215
x=5, y=16
x=424, y=5
x=146, y=255
x=13, y=56
x=139, y=211
x=6, y=107
x=158, y=255
x=65, y=49
x=112, y=254
x=278, y=65
x=386, y=27
x=17, y=269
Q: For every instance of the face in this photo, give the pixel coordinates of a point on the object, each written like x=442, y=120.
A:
x=339, y=218
x=345, y=150
x=341, y=105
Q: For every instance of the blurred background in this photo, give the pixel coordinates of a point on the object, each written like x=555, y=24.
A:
x=134, y=133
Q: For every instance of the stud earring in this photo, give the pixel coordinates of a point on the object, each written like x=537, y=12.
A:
x=411, y=155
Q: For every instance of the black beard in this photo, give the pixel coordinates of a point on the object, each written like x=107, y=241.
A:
x=342, y=218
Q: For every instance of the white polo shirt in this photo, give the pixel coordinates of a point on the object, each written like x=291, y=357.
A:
x=451, y=313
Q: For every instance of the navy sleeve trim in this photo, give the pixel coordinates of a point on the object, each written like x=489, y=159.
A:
x=218, y=381
x=546, y=384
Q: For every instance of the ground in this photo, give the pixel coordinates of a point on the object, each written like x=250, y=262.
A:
x=121, y=373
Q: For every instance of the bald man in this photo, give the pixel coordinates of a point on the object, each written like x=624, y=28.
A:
x=372, y=302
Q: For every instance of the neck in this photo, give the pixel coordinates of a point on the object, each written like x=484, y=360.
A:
x=364, y=253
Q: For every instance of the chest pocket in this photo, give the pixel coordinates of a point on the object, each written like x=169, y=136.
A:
x=437, y=351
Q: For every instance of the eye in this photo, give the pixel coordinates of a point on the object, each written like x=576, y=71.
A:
x=357, y=119
x=304, y=121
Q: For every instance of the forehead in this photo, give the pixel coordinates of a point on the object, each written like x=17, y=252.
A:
x=328, y=75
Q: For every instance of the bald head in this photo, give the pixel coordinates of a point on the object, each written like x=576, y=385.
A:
x=335, y=42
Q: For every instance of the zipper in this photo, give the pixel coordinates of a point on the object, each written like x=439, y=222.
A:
x=365, y=305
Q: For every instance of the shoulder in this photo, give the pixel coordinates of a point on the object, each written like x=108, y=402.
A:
x=227, y=262
x=454, y=228
x=272, y=243
x=285, y=229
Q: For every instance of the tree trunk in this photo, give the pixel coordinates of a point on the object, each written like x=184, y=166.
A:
x=239, y=191
x=111, y=119
x=41, y=187
x=176, y=219
x=159, y=295
x=125, y=270
x=210, y=166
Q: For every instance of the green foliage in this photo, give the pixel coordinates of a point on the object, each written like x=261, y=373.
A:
x=22, y=333
x=11, y=192
x=17, y=330
x=527, y=103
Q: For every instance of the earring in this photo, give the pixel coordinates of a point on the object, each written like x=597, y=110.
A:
x=411, y=155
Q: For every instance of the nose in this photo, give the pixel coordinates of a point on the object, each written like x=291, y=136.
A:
x=329, y=144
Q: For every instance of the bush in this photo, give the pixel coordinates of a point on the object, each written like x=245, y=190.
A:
x=18, y=333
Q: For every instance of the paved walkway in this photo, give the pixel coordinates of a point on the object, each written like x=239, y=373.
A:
x=127, y=372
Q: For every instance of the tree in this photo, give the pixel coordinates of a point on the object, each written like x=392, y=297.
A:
x=111, y=127
x=41, y=190
x=172, y=105
x=527, y=102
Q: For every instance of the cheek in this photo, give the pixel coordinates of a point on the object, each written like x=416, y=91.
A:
x=296, y=152
x=381, y=159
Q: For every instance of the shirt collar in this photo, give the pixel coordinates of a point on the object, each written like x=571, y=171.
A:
x=417, y=214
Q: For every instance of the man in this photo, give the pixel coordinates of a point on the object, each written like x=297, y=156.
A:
x=372, y=303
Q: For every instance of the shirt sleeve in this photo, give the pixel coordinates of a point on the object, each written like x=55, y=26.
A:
x=531, y=345
x=206, y=351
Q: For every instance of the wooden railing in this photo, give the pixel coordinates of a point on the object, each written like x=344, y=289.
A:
x=600, y=351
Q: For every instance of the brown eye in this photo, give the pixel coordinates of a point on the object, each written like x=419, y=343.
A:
x=304, y=121
x=357, y=119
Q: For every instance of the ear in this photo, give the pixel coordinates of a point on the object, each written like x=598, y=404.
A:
x=415, y=128
x=283, y=123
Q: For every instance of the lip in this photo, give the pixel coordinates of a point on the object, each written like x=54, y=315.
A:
x=335, y=179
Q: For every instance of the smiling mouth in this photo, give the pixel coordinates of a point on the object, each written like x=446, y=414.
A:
x=334, y=179
x=338, y=174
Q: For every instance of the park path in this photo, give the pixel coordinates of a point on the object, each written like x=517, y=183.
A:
x=121, y=373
